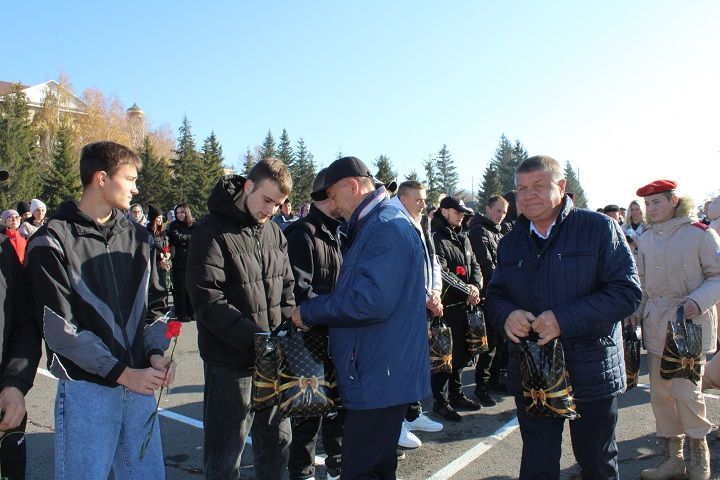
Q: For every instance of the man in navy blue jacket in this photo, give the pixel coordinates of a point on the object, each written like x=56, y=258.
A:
x=376, y=318
x=565, y=273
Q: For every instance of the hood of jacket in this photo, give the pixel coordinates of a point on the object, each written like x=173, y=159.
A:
x=70, y=211
x=222, y=199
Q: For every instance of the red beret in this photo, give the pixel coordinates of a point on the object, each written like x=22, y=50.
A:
x=658, y=186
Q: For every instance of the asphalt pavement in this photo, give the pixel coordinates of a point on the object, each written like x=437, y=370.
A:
x=485, y=445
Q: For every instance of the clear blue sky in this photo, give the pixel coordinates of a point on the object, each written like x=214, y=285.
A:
x=627, y=91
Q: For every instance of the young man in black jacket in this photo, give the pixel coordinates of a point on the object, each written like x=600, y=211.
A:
x=240, y=283
x=315, y=256
x=484, y=237
x=456, y=258
x=20, y=352
x=93, y=275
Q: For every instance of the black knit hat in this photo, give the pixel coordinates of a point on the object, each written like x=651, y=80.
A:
x=23, y=208
x=153, y=213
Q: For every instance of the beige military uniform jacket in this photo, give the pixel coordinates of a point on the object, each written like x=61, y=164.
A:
x=678, y=260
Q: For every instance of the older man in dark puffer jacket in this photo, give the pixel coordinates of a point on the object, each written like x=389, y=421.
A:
x=565, y=273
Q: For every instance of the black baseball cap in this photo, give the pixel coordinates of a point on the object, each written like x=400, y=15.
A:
x=344, y=167
x=455, y=203
x=611, y=208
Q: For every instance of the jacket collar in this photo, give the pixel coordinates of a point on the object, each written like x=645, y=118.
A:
x=395, y=201
x=369, y=204
x=86, y=226
x=670, y=226
x=567, y=207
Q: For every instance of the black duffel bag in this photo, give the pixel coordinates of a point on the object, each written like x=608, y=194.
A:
x=683, y=353
x=631, y=349
x=476, y=338
x=307, y=386
x=440, y=346
x=545, y=383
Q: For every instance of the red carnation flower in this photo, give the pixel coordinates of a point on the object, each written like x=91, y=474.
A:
x=460, y=270
x=166, y=249
x=173, y=329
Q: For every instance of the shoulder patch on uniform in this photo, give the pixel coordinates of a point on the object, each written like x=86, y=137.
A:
x=700, y=225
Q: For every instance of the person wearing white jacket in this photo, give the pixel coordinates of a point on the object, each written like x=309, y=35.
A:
x=411, y=202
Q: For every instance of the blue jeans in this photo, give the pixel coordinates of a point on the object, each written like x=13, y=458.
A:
x=98, y=429
x=229, y=421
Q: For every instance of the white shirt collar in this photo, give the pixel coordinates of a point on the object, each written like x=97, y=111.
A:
x=544, y=237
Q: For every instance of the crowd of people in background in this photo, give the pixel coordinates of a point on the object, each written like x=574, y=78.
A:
x=532, y=262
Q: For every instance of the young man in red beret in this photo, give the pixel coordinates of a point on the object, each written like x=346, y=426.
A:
x=679, y=264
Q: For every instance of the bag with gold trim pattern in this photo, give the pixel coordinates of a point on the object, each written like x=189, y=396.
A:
x=440, y=346
x=307, y=386
x=545, y=383
x=683, y=353
x=631, y=350
x=264, y=382
x=476, y=339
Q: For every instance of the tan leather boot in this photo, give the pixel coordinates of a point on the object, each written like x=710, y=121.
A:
x=699, y=459
x=674, y=465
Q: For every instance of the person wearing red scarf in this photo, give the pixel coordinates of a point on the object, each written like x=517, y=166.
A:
x=11, y=220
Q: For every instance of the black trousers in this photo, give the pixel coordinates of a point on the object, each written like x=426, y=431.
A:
x=181, y=299
x=369, y=448
x=444, y=385
x=304, y=438
x=13, y=453
x=485, y=360
x=593, y=442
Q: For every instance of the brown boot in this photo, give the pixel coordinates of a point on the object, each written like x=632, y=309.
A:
x=674, y=465
x=699, y=459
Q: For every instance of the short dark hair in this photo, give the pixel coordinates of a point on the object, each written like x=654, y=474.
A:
x=287, y=200
x=274, y=170
x=408, y=185
x=541, y=163
x=105, y=156
x=495, y=198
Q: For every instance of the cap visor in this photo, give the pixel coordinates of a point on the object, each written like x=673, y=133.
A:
x=319, y=195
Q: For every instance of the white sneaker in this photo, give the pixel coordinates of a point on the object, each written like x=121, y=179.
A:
x=407, y=438
x=423, y=424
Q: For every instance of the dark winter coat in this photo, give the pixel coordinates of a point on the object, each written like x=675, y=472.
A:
x=484, y=237
x=314, y=251
x=180, y=234
x=238, y=278
x=376, y=314
x=97, y=292
x=453, y=250
x=586, y=275
x=20, y=349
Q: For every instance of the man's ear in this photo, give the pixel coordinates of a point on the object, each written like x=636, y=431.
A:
x=248, y=187
x=562, y=184
x=101, y=177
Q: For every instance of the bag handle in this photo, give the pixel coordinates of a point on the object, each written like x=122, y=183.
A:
x=284, y=325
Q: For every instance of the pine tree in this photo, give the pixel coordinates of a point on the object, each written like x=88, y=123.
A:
x=17, y=149
x=248, y=162
x=446, y=171
x=62, y=182
x=187, y=169
x=285, y=150
x=303, y=174
x=155, y=182
x=573, y=186
x=212, y=167
x=412, y=177
x=267, y=150
x=504, y=163
x=339, y=154
x=490, y=185
x=385, y=172
x=431, y=181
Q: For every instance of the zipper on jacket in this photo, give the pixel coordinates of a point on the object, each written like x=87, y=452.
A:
x=117, y=295
x=262, y=276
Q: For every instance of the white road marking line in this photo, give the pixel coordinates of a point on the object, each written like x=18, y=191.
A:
x=182, y=418
x=468, y=457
